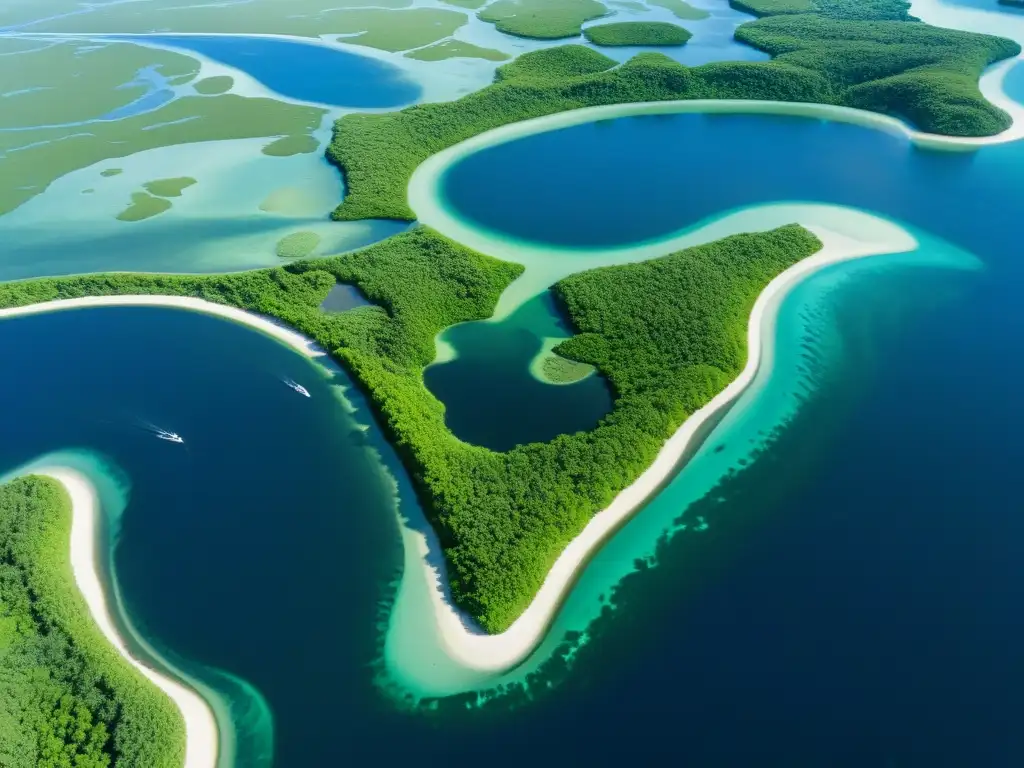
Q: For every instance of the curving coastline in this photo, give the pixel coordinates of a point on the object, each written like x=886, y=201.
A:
x=464, y=643
x=203, y=740
x=201, y=735
x=268, y=326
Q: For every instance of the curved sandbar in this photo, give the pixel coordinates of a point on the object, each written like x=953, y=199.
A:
x=424, y=178
x=201, y=737
x=426, y=200
x=463, y=646
x=268, y=326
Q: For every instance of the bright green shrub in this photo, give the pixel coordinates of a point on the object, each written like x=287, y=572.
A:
x=637, y=33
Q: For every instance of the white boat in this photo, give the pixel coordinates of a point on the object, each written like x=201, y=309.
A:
x=297, y=387
x=173, y=437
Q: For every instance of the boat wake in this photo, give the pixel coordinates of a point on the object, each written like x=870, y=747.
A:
x=162, y=434
x=296, y=386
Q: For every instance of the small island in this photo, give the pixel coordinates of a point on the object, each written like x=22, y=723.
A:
x=659, y=33
x=542, y=19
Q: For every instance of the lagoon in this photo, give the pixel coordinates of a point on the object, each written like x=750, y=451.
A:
x=490, y=393
x=635, y=179
x=850, y=579
x=231, y=552
x=303, y=71
x=844, y=591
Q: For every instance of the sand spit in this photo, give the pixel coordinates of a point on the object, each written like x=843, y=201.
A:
x=465, y=644
x=201, y=748
x=846, y=234
x=267, y=325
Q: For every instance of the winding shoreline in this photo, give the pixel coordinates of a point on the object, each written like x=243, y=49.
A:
x=469, y=646
x=202, y=743
x=463, y=642
x=202, y=737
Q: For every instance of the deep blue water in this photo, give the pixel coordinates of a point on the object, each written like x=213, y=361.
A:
x=639, y=178
x=855, y=601
x=303, y=71
x=238, y=548
x=490, y=396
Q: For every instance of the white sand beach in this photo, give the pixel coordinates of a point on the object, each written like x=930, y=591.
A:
x=202, y=743
x=267, y=325
x=201, y=748
x=465, y=644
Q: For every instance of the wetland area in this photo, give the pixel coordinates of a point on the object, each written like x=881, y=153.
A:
x=828, y=573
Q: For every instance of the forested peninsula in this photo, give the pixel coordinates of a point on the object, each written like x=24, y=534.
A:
x=867, y=54
x=503, y=518
x=67, y=699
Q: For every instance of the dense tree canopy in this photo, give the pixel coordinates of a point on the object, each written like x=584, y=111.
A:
x=637, y=33
x=668, y=334
x=542, y=19
x=67, y=699
x=867, y=54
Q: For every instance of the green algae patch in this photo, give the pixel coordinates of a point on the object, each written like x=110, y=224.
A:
x=69, y=698
x=297, y=245
x=109, y=172
x=456, y=49
x=287, y=146
x=30, y=161
x=542, y=19
x=558, y=370
x=773, y=7
x=681, y=9
x=214, y=86
x=76, y=81
x=169, y=187
x=144, y=206
x=304, y=18
x=396, y=31
x=637, y=33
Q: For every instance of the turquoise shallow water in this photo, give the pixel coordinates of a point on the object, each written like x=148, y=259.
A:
x=832, y=582
x=236, y=548
x=302, y=70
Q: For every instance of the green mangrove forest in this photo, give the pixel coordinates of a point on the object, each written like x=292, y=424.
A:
x=869, y=55
x=542, y=19
x=637, y=33
x=67, y=699
x=503, y=518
